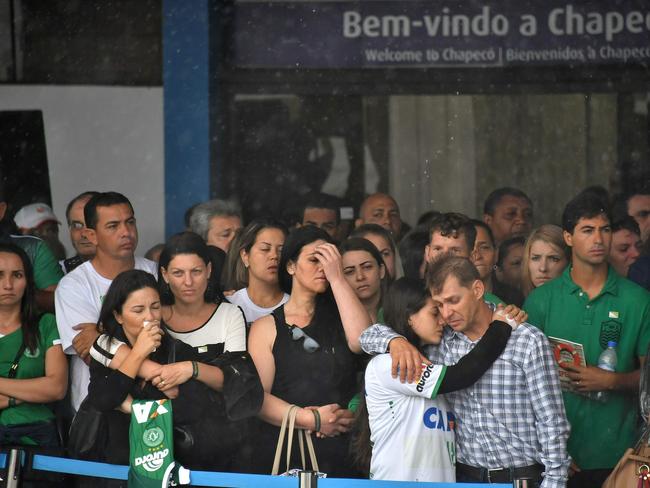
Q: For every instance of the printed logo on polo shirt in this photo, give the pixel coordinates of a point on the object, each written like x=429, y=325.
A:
x=30, y=354
x=434, y=418
x=610, y=330
x=424, y=376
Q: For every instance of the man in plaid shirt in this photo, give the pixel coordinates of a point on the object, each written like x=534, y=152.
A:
x=511, y=423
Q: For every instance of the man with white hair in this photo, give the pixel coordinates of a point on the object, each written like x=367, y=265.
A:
x=217, y=222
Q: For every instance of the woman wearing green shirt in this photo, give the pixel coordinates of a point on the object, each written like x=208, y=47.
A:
x=33, y=368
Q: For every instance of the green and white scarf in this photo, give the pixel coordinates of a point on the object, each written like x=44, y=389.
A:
x=151, y=445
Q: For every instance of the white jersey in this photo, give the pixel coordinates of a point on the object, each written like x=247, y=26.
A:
x=78, y=300
x=412, y=430
x=252, y=312
x=225, y=326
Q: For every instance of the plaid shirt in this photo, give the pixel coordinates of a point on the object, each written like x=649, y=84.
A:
x=514, y=415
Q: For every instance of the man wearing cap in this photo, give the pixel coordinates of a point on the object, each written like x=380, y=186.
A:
x=38, y=220
x=47, y=272
x=592, y=305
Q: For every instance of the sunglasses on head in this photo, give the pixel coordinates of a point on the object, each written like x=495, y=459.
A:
x=309, y=344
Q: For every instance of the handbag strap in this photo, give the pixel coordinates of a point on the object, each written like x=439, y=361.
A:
x=13, y=370
x=312, y=451
x=278, y=449
x=287, y=429
x=293, y=411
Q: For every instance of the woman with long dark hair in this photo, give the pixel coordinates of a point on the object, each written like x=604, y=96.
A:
x=193, y=314
x=33, y=368
x=384, y=242
x=406, y=430
x=364, y=269
x=131, y=315
x=484, y=258
x=305, y=351
x=193, y=310
x=252, y=269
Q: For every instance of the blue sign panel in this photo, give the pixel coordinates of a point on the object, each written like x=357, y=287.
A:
x=404, y=33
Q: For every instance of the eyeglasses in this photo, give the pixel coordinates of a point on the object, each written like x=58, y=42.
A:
x=309, y=344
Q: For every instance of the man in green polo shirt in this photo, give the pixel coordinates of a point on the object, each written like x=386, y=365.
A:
x=591, y=304
x=47, y=272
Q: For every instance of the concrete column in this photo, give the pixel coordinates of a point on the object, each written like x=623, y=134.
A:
x=186, y=72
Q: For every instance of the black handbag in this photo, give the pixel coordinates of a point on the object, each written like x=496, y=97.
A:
x=88, y=433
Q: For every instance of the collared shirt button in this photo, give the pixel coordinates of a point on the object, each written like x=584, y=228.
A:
x=588, y=306
x=581, y=294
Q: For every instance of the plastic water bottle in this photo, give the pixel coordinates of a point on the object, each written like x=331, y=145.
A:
x=607, y=361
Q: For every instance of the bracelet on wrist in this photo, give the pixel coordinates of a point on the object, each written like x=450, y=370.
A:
x=195, y=370
x=316, y=420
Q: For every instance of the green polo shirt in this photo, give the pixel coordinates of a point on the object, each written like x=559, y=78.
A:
x=600, y=432
x=47, y=271
x=30, y=365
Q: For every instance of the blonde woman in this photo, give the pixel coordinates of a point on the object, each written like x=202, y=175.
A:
x=545, y=257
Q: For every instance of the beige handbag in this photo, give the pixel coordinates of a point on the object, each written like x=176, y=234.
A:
x=633, y=469
x=286, y=430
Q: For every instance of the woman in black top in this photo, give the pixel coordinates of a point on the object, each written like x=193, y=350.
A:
x=304, y=352
x=131, y=313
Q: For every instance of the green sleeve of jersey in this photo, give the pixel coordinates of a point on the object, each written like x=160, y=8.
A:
x=434, y=393
x=48, y=330
x=47, y=271
x=493, y=299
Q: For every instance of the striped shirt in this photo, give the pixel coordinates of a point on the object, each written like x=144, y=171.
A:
x=514, y=415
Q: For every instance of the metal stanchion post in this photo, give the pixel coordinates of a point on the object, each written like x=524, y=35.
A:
x=13, y=468
x=523, y=483
x=308, y=479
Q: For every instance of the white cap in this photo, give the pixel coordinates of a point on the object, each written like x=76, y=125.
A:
x=33, y=215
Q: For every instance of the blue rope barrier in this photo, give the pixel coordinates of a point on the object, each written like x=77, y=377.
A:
x=83, y=468
x=237, y=480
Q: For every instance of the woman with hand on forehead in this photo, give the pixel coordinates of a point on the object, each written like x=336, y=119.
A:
x=305, y=351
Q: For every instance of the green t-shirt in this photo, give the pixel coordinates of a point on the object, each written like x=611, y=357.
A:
x=47, y=271
x=30, y=365
x=600, y=432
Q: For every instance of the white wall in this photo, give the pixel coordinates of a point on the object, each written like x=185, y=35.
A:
x=101, y=138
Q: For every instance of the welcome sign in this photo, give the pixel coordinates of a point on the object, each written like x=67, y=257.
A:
x=403, y=33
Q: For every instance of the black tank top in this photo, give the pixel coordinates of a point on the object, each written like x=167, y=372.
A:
x=327, y=375
x=324, y=376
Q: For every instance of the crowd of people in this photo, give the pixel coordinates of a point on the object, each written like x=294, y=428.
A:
x=486, y=335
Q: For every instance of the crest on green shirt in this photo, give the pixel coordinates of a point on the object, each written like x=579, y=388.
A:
x=610, y=330
x=32, y=355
